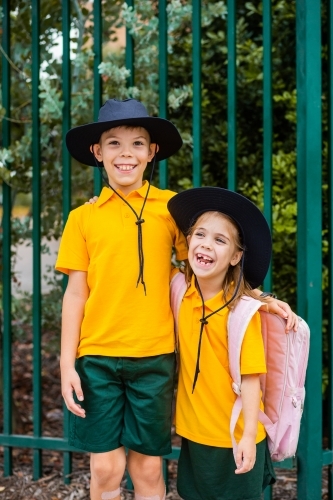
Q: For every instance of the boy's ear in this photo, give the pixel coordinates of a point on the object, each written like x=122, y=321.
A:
x=236, y=258
x=96, y=151
x=153, y=150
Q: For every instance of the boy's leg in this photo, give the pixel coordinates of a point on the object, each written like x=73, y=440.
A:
x=147, y=476
x=107, y=470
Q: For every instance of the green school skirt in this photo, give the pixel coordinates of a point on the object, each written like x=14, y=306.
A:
x=208, y=473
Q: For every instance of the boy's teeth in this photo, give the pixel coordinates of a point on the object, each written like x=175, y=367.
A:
x=125, y=167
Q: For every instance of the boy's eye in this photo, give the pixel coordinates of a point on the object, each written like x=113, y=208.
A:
x=113, y=143
x=138, y=143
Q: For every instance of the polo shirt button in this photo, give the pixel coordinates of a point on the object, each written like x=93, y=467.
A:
x=127, y=214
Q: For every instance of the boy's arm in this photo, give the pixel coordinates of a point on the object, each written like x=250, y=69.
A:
x=280, y=308
x=75, y=297
x=246, y=449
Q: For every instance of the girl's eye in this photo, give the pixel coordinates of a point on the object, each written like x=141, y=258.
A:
x=219, y=240
x=199, y=233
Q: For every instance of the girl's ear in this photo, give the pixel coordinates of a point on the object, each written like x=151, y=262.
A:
x=96, y=151
x=236, y=258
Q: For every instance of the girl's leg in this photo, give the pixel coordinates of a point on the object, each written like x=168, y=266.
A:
x=107, y=470
x=147, y=476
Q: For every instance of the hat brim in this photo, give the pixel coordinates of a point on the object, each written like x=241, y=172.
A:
x=161, y=131
x=187, y=206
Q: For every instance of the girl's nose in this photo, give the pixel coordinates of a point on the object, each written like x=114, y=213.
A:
x=205, y=245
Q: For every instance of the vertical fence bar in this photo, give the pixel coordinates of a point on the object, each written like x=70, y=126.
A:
x=196, y=79
x=267, y=121
x=66, y=173
x=129, y=55
x=163, y=80
x=98, y=31
x=36, y=234
x=309, y=227
x=232, y=95
x=330, y=170
x=6, y=246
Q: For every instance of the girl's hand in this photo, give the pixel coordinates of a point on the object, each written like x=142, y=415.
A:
x=246, y=455
x=91, y=200
x=283, y=310
x=70, y=381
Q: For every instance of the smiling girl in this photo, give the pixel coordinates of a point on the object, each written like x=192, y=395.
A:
x=229, y=253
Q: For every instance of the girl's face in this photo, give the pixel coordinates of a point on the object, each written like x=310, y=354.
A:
x=212, y=247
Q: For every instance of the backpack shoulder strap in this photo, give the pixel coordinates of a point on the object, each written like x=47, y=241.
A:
x=238, y=321
x=178, y=288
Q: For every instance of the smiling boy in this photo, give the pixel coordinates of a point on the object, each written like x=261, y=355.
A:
x=117, y=345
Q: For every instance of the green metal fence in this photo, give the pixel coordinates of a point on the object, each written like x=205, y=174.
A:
x=310, y=457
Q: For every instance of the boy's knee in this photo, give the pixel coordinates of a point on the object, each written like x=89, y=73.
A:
x=145, y=469
x=106, y=469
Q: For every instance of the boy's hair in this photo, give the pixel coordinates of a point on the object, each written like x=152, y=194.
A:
x=233, y=273
x=127, y=127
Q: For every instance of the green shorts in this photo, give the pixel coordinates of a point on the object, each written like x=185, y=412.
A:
x=208, y=473
x=128, y=403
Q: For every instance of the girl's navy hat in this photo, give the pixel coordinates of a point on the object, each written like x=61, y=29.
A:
x=116, y=113
x=187, y=206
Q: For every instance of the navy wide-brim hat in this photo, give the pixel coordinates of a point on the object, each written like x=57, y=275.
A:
x=187, y=206
x=116, y=113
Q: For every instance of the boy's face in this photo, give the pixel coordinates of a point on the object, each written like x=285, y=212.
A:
x=125, y=153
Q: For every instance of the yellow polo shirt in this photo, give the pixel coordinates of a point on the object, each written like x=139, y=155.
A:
x=102, y=240
x=204, y=416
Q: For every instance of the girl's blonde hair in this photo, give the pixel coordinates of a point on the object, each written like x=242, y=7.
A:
x=233, y=273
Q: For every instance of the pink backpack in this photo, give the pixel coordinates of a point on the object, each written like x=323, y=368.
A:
x=282, y=386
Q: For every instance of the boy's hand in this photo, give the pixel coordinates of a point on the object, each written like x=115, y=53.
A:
x=91, y=200
x=283, y=309
x=70, y=381
x=246, y=455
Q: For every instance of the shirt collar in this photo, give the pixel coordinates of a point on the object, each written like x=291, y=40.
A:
x=107, y=193
x=210, y=305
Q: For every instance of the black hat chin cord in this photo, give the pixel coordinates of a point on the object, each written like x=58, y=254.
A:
x=204, y=318
x=139, y=219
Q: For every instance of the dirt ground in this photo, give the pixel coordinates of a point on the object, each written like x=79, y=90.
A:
x=51, y=486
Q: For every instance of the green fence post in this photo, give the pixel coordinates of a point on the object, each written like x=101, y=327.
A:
x=6, y=248
x=97, y=78
x=36, y=235
x=267, y=121
x=309, y=242
x=232, y=95
x=196, y=81
x=330, y=170
x=66, y=173
x=163, y=80
x=129, y=55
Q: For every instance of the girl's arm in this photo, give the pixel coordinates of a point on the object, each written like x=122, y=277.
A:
x=75, y=297
x=246, y=449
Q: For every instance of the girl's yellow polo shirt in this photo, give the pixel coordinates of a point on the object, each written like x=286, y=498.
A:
x=102, y=240
x=204, y=416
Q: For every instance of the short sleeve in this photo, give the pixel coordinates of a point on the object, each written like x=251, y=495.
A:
x=253, y=353
x=73, y=253
x=179, y=243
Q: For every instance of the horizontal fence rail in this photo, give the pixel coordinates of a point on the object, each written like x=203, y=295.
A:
x=311, y=457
